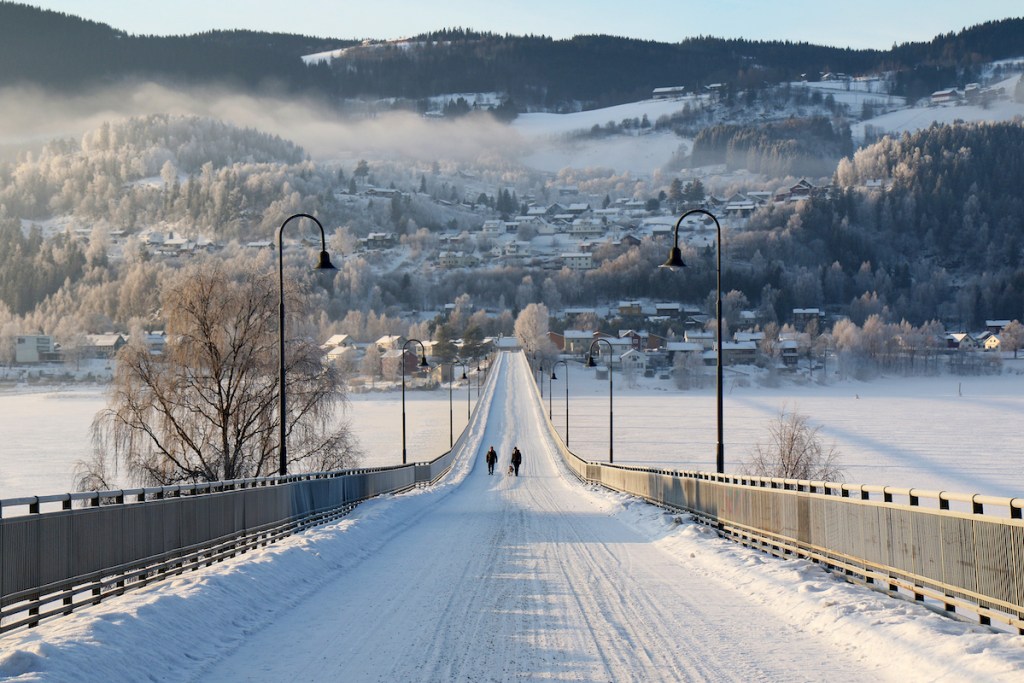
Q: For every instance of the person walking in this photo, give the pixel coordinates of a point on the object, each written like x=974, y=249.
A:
x=492, y=459
x=517, y=459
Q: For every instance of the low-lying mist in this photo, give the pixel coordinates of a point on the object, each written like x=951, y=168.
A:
x=33, y=116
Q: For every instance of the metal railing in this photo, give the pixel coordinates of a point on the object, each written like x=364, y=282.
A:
x=63, y=551
x=939, y=546
x=52, y=562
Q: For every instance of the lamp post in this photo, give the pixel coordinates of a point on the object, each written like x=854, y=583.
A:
x=674, y=262
x=592, y=364
x=324, y=263
x=451, y=381
x=423, y=364
x=566, y=364
x=486, y=367
x=540, y=379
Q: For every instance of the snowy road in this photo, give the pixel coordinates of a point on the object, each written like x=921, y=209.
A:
x=504, y=578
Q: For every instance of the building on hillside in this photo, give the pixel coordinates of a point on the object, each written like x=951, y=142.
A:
x=577, y=260
x=390, y=342
x=104, y=345
x=337, y=340
x=802, y=317
x=947, y=96
x=35, y=348
x=668, y=92
x=996, y=326
x=630, y=308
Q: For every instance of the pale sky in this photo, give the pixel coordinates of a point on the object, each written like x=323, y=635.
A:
x=864, y=24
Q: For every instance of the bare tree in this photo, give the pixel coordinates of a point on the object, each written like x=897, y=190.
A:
x=206, y=408
x=794, y=451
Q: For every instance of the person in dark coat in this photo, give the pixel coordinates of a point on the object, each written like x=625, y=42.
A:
x=492, y=459
x=517, y=459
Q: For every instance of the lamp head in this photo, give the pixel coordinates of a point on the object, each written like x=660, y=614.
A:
x=590, y=361
x=553, y=375
x=325, y=262
x=423, y=361
x=674, y=261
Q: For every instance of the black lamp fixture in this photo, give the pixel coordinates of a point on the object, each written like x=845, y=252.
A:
x=323, y=263
x=422, y=364
x=611, y=418
x=675, y=262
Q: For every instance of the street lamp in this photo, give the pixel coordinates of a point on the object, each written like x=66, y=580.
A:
x=478, y=371
x=592, y=364
x=674, y=262
x=324, y=263
x=553, y=377
x=451, y=381
x=423, y=364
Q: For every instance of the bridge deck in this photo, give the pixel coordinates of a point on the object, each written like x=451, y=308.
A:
x=502, y=578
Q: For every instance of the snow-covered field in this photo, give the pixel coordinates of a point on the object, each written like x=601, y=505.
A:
x=918, y=118
x=499, y=579
x=941, y=433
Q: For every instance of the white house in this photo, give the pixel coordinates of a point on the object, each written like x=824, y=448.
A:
x=633, y=361
x=34, y=348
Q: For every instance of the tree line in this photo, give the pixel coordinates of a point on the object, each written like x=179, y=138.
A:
x=58, y=51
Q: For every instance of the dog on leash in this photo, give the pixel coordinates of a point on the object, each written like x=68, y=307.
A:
x=511, y=470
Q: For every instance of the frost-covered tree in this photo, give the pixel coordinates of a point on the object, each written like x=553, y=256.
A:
x=206, y=409
x=531, y=328
x=793, y=450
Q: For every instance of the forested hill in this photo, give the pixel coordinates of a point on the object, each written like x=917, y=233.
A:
x=55, y=50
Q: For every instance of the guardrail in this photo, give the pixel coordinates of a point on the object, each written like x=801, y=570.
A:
x=936, y=546
x=93, y=545
x=64, y=551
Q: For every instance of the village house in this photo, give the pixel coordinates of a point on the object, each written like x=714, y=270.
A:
x=389, y=342
x=947, y=96
x=455, y=259
x=705, y=338
x=673, y=348
x=379, y=240
x=996, y=326
x=577, y=260
x=104, y=345
x=633, y=361
x=630, y=308
x=577, y=342
x=961, y=341
x=35, y=348
x=587, y=227
x=738, y=353
x=789, y=350
x=668, y=92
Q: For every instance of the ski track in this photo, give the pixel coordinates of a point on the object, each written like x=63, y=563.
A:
x=528, y=578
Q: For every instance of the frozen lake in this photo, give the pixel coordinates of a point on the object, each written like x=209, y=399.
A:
x=945, y=433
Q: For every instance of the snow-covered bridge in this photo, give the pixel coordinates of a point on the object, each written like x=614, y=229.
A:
x=493, y=578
